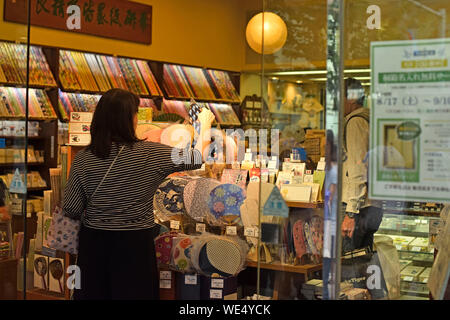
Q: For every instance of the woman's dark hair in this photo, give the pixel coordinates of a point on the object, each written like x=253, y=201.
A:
x=113, y=121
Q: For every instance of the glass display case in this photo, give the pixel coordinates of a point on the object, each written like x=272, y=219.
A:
x=412, y=236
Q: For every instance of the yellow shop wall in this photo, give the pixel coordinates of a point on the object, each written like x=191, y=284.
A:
x=209, y=33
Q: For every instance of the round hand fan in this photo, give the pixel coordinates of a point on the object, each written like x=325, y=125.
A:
x=225, y=202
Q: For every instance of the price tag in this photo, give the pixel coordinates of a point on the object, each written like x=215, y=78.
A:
x=425, y=280
x=231, y=230
x=217, y=283
x=174, y=224
x=190, y=279
x=399, y=247
x=249, y=232
x=416, y=249
x=165, y=284
x=200, y=227
x=167, y=275
x=409, y=278
x=215, y=294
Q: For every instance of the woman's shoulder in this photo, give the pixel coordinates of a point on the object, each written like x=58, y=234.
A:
x=150, y=145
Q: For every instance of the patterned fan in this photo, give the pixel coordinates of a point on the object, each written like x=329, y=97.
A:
x=195, y=198
x=225, y=202
x=317, y=229
x=163, y=247
x=181, y=255
x=299, y=239
x=168, y=200
x=220, y=256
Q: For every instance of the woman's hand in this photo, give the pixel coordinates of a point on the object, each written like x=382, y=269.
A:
x=206, y=117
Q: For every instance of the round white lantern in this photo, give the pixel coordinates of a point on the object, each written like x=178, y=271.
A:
x=275, y=33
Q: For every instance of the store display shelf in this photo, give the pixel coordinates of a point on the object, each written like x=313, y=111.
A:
x=23, y=85
x=203, y=99
x=415, y=293
x=407, y=233
x=409, y=251
x=17, y=164
x=83, y=91
x=277, y=266
x=412, y=212
x=306, y=205
x=39, y=294
x=23, y=137
x=29, y=118
x=38, y=189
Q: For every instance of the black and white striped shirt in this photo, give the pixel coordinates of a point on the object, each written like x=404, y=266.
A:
x=124, y=200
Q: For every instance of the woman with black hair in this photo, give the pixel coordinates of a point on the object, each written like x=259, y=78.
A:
x=110, y=189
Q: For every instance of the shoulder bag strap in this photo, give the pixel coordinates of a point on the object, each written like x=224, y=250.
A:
x=106, y=174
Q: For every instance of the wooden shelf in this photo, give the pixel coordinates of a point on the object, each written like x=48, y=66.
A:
x=17, y=164
x=38, y=189
x=304, y=269
x=412, y=212
x=39, y=294
x=24, y=118
x=306, y=205
x=203, y=100
x=102, y=92
x=22, y=137
x=23, y=85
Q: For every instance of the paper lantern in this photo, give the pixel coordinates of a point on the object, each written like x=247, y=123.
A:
x=275, y=33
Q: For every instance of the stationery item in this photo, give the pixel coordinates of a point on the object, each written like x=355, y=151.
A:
x=298, y=154
x=79, y=139
x=255, y=175
x=238, y=177
x=315, y=187
x=168, y=199
x=283, y=178
x=84, y=117
x=319, y=177
x=301, y=193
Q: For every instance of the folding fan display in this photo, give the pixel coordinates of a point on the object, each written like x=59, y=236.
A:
x=225, y=202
